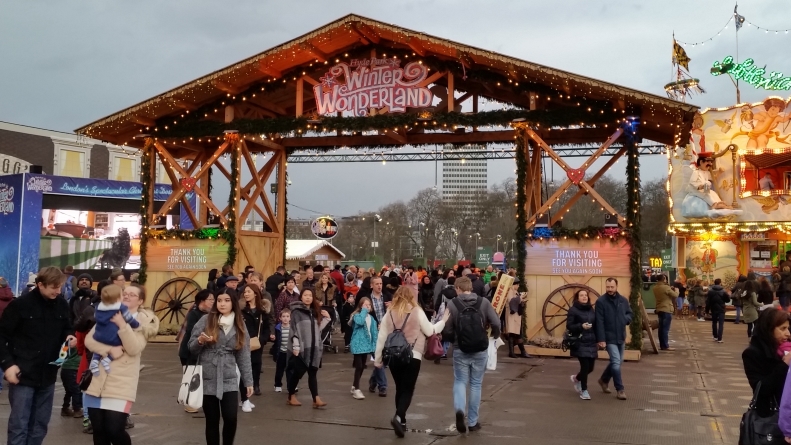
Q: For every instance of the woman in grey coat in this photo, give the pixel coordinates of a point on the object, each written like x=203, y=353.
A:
x=221, y=342
x=304, y=342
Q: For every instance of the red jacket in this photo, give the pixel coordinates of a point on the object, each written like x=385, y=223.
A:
x=338, y=277
x=83, y=352
x=6, y=296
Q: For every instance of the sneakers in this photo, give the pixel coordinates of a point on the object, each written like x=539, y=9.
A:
x=584, y=395
x=357, y=394
x=577, y=384
x=66, y=412
x=382, y=392
x=701, y=319
x=129, y=423
x=190, y=410
x=621, y=395
x=474, y=428
x=720, y=341
x=247, y=407
x=278, y=389
x=372, y=387
x=257, y=390
x=398, y=427
x=77, y=413
x=668, y=349
x=460, y=426
x=87, y=428
x=352, y=390
x=604, y=387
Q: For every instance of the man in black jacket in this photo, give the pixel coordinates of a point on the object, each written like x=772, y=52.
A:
x=716, y=299
x=32, y=330
x=274, y=284
x=83, y=297
x=613, y=314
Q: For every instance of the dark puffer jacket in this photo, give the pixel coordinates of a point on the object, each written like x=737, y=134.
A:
x=716, y=299
x=587, y=345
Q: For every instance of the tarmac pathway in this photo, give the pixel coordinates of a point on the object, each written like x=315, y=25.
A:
x=695, y=395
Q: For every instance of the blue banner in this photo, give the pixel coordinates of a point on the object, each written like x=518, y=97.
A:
x=20, y=223
x=98, y=188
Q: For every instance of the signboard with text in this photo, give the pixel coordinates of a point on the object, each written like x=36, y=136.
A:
x=186, y=258
x=597, y=259
x=372, y=86
x=483, y=257
x=667, y=259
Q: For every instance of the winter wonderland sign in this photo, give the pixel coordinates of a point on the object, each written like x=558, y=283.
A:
x=372, y=86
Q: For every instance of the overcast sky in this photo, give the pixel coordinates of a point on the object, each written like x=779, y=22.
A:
x=66, y=63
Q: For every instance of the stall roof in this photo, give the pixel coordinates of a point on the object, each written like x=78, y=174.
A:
x=297, y=249
x=354, y=32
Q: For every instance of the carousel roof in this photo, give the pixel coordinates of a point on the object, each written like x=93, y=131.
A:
x=669, y=120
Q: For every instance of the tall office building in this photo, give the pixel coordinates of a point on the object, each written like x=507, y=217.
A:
x=464, y=179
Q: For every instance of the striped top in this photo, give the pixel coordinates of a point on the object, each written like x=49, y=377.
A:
x=284, y=334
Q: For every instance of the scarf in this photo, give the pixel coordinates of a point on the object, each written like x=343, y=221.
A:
x=226, y=322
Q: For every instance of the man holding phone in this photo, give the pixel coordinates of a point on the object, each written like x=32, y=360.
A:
x=32, y=330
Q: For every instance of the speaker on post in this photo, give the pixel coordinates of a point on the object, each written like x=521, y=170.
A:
x=36, y=169
x=610, y=220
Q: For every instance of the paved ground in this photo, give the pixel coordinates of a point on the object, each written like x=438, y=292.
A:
x=694, y=395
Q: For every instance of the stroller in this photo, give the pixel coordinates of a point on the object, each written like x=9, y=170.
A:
x=326, y=333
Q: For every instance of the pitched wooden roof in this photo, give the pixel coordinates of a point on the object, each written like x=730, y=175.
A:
x=352, y=32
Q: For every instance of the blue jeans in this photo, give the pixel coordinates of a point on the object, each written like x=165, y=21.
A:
x=468, y=368
x=378, y=378
x=613, y=370
x=782, y=297
x=680, y=303
x=717, y=325
x=664, y=328
x=31, y=409
x=738, y=314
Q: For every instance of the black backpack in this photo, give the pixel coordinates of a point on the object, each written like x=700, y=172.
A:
x=397, y=350
x=470, y=329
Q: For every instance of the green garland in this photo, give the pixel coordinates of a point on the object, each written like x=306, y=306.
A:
x=145, y=203
x=206, y=233
x=635, y=243
x=590, y=232
x=285, y=209
x=560, y=117
x=231, y=235
x=521, y=200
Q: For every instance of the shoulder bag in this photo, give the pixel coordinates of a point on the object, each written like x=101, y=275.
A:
x=757, y=430
x=191, y=389
x=255, y=342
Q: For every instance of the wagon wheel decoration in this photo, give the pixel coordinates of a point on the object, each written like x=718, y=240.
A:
x=556, y=306
x=174, y=299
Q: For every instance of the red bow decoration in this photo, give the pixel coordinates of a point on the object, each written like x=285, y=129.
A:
x=575, y=175
x=188, y=183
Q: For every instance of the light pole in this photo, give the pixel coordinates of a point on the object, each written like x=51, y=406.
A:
x=497, y=249
x=477, y=237
x=376, y=218
x=512, y=248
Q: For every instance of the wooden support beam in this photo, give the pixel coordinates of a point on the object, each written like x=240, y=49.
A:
x=259, y=189
x=315, y=52
x=184, y=105
x=416, y=46
x=398, y=137
x=536, y=172
x=431, y=79
x=264, y=142
x=145, y=121
x=313, y=82
x=268, y=70
x=300, y=99
x=451, y=92
x=280, y=210
x=268, y=105
x=592, y=182
x=362, y=38
x=463, y=97
x=227, y=87
x=367, y=32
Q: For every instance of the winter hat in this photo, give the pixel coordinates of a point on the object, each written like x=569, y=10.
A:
x=87, y=277
x=3, y=282
x=31, y=279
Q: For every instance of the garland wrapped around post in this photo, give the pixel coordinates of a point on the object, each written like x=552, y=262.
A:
x=233, y=196
x=285, y=209
x=521, y=200
x=145, y=204
x=635, y=242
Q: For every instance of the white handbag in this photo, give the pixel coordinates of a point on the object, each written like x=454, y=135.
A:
x=191, y=390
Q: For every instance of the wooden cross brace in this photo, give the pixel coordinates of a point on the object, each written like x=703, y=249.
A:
x=584, y=186
x=244, y=193
x=178, y=188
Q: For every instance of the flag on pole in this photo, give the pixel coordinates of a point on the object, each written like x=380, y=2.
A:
x=680, y=56
x=738, y=18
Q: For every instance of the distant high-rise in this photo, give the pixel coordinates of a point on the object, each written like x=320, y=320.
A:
x=464, y=179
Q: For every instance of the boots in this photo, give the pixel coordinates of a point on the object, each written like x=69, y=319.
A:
x=510, y=344
x=292, y=401
x=522, y=352
x=317, y=403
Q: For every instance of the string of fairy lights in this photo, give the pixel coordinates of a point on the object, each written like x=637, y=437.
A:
x=746, y=24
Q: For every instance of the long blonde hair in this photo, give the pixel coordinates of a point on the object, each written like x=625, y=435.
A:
x=402, y=303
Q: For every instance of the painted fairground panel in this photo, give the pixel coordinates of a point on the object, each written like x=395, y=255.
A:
x=736, y=167
x=709, y=258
